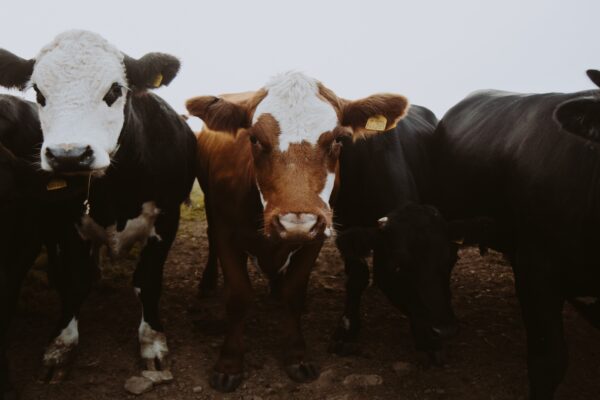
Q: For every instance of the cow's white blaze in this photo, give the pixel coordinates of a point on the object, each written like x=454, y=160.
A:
x=293, y=100
x=74, y=73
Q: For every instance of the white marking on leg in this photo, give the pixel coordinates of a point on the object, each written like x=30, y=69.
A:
x=153, y=344
x=58, y=351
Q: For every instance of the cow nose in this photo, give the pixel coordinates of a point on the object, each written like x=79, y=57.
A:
x=299, y=224
x=70, y=158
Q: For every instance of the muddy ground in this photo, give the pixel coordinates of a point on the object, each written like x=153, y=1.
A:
x=486, y=360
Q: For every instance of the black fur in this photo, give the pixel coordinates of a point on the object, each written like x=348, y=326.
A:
x=504, y=156
x=377, y=176
x=14, y=70
x=142, y=73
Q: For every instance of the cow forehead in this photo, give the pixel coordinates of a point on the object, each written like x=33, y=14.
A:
x=293, y=100
x=78, y=59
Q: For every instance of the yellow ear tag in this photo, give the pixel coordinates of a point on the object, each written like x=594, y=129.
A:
x=376, y=123
x=158, y=80
x=56, y=184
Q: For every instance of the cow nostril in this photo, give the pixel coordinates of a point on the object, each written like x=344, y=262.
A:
x=87, y=154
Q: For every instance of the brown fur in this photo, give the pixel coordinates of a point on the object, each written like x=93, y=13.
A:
x=233, y=157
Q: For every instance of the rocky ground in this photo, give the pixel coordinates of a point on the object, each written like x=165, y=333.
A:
x=486, y=361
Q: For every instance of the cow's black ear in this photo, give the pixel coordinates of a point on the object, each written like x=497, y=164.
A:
x=580, y=117
x=15, y=71
x=594, y=76
x=356, y=242
x=151, y=71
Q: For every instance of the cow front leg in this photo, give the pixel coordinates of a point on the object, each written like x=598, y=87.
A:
x=293, y=295
x=147, y=282
x=345, y=338
x=73, y=269
x=228, y=371
x=542, y=305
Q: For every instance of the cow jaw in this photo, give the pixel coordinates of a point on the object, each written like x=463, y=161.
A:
x=74, y=74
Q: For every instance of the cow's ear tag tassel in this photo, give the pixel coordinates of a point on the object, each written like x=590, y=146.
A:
x=158, y=81
x=86, y=202
x=377, y=123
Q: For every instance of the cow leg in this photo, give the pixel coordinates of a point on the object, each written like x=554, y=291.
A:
x=345, y=337
x=10, y=285
x=210, y=276
x=293, y=295
x=147, y=282
x=73, y=268
x=228, y=371
x=538, y=290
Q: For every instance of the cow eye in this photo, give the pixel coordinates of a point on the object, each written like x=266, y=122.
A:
x=113, y=94
x=253, y=139
x=339, y=139
x=39, y=97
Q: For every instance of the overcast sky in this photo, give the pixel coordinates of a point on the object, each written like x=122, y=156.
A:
x=434, y=52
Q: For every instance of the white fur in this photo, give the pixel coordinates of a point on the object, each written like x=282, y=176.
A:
x=298, y=223
x=74, y=72
x=328, y=188
x=293, y=100
x=153, y=344
x=58, y=351
x=285, y=266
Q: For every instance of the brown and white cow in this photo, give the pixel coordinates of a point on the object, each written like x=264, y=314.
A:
x=267, y=165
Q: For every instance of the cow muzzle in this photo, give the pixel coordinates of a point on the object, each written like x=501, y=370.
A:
x=302, y=226
x=69, y=158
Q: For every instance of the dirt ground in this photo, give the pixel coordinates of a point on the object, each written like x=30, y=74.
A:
x=486, y=360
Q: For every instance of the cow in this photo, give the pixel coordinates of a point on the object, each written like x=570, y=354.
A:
x=530, y=163
x=112, y=147
x=268, y=164
x=391, y=173
x=20, y=234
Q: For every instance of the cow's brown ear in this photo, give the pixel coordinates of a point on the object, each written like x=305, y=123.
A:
x=219, y=114
x=376, y=113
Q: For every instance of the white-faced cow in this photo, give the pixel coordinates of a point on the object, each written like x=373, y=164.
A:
x=116, y=146
x=530, y=162
x=268, y=164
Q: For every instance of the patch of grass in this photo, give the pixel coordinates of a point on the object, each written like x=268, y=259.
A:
x=195, y=211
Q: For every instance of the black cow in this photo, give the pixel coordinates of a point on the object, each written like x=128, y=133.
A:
x=115, y=151
x=412, y=253
x=20, y=237
x=530, y=162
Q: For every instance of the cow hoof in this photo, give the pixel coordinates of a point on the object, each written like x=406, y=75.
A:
x=344, y=349
x=53, y=375
x=225, y=382
x=302, y=372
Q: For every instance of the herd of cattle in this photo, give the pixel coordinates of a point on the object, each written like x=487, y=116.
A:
x=102, y=161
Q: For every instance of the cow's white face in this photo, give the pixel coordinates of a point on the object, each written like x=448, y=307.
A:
x=80, y=83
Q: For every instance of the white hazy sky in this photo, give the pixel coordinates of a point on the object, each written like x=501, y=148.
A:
x=434, y=52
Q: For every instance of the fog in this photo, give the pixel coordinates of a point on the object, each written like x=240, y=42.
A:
x=434, y=52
